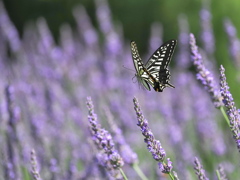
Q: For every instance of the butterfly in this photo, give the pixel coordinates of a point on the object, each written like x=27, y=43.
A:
x=155, y=72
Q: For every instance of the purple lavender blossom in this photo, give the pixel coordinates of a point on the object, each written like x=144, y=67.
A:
x=9, y=91
x=207, y=30
x=54, y=168
x=234, y=42
x=232, y=111
x=72, y=170
x=206, y=128
x=112, y=161
x=166, y=168
x=95, y=127
x=67, y=41
x=199, y=171
x=8, y=168
x=128, y=155
x=46, y=39
x=113, y=42
x=11, y=135
x=155, y=38
x=103, y=140
x=203, y=74
x=153, y=145
x=8, y=30
x=85, y=27
x=183, y=55
x=35, y=171
x=222, y=173
x=104, y=16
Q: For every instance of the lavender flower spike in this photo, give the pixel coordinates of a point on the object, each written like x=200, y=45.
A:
x=234, y=42
x=34, y=170
x=153, y=145
x=104, y=143
x=95, y=127
x=232, y=111
x=203, y=74
x=128, y=155
x=200, y=172
x=221, y=172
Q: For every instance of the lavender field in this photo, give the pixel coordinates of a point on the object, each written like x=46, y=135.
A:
x=72, y=110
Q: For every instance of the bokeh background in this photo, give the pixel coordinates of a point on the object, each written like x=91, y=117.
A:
x=135, y=19
x=56, y=53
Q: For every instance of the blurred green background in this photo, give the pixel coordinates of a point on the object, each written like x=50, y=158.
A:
x=136, y=17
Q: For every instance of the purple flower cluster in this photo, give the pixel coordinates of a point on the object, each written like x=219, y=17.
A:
x=8, y=30
x=233, y=113
x=200, y=172
x=44, y=85
x=222, y=173
x=35, y=170
x=234, y=42
x=103, y=140
x=154, y=146
x=11, y=135
x=184, y=55
x=203, y=74
x=128, y=155
x=207, y=35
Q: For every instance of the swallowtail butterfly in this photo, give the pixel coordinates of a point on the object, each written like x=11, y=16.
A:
x=155, y=72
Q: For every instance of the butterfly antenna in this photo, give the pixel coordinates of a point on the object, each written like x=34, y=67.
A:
x=128, y=68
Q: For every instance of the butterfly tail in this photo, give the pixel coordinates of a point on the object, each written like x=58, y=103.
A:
x=170, y=85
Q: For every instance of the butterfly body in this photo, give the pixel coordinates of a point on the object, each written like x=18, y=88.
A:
x=155, y=72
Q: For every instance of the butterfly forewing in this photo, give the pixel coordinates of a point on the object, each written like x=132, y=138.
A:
x=141, y=74
x=161, y=57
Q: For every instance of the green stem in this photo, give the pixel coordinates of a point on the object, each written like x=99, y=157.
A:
x=123, y=174
x=139, y=171
x=218, y=175
x=171, y=176
x=225, y=116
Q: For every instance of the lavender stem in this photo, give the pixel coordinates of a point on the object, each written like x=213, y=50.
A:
x=139, y=171
x=225, y=115
x=218, y=175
